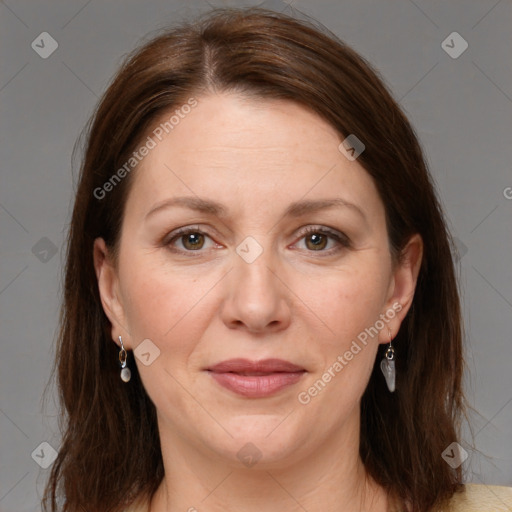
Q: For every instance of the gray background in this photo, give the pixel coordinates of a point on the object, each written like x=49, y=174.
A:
x=461, y=108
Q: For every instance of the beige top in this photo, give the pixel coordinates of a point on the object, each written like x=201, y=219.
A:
x=476, y=498
x=482, y=498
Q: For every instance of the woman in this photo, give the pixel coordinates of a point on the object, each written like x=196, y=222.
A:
x=260, y=306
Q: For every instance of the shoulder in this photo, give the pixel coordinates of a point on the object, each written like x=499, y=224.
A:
x=481, y=498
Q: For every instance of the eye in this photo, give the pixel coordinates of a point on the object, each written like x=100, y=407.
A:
x=317, y=238
x=191, y=239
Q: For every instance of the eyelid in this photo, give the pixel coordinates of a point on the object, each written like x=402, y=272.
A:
x=325, y=230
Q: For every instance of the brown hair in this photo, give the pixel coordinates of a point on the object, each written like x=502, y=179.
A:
x=110, y=452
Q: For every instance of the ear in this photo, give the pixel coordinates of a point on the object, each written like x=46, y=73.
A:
x=402, y=287
x=108, y=285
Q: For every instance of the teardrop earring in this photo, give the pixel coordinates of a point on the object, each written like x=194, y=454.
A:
x=126, y=374
x=387, y=365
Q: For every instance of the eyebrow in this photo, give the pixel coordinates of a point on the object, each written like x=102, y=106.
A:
x=296, y=209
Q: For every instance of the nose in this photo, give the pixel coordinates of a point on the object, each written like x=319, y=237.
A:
x=257, y=299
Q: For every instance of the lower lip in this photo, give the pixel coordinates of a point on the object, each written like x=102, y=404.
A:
x=257, y=386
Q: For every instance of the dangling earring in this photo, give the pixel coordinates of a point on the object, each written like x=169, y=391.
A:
x=126, y=374
x=387, y=365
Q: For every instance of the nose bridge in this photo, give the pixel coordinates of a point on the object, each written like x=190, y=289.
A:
x=252, y=267
x=257, y=297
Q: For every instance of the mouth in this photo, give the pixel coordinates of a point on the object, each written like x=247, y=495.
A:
x=256, y=379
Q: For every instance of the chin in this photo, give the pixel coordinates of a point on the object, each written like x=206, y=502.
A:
x=264, y=441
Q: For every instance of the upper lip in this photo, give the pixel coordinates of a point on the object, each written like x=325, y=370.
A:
x=264, y=366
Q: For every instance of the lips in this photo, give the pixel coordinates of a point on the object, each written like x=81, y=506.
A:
x=256, y=379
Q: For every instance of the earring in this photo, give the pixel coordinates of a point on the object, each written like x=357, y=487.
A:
x=387, y=365
x=126, y=374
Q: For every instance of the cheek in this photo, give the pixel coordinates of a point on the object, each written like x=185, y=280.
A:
x=349, y=305
x=171, y=307
x=153, y=304
x=346, y=301
x=156, y=297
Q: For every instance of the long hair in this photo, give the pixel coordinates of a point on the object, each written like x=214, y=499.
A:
x=110, y=452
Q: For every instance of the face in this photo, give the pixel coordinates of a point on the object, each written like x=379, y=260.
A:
x=249, y=236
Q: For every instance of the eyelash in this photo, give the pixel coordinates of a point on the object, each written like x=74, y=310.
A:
x=340, y=238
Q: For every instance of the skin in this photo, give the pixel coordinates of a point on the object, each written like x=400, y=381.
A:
x=296, y=302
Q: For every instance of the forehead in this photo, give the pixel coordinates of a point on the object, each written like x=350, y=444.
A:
x=248, y=151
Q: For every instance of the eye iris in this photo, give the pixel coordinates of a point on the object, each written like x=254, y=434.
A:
x=196, y=240
x=319, y=241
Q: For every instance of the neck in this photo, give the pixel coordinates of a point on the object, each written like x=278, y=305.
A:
x=331, y=478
